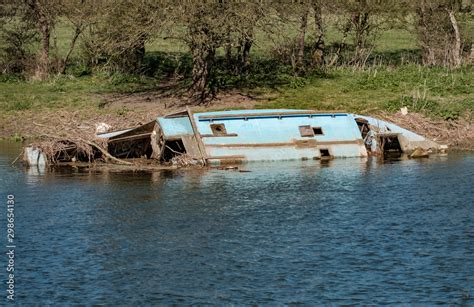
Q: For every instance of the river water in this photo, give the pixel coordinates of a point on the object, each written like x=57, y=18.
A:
x=350, y=231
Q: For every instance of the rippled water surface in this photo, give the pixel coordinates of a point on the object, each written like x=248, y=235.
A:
x=350, y=231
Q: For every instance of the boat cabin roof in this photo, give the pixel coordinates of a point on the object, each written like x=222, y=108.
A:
x=264, y=113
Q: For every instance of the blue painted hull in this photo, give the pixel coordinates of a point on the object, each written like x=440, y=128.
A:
x=262, y=135
x=282, y=134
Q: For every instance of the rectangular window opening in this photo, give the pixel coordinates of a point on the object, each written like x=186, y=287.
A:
x=391, y=146
x=172, y=149
x=306, y=131
x=318, y=131
x=325, y=153
x=218, y=129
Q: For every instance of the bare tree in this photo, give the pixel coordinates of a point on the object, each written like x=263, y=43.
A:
x=362, y=21
x=471, y=55
x=290, y=47
x=319, y=33
x=247, y=16
x=18, y=35
x=80, y=14
x=209, y=26
x=242, y=20
x=456, y=48
x=44, y=14
x=301, y=37
x=438, y=32
x=205, y=32
x=118, y=32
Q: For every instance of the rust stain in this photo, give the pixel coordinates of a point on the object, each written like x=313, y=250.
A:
x=222, y=135
x=305, y=143
x=130, y=137
x=297, y=143
x=237, y=157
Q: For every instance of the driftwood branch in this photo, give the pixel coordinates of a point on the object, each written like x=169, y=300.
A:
x=106, y=154
x=18, y=157
x=174, y=151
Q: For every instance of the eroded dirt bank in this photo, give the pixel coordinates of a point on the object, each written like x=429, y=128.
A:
x=458, y=134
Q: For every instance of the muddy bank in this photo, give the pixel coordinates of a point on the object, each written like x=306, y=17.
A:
x=119, y=111
x=458, y=134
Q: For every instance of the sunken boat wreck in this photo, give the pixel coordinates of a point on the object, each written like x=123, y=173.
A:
x=237, y=136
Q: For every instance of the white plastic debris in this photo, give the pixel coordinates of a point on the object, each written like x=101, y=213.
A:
x=35, y=157
x=404, y=111
x=443, y=149
x=102, y=128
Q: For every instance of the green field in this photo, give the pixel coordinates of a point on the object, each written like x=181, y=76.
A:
x=390, y=80
x=438, y=92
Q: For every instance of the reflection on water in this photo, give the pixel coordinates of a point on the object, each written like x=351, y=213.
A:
x=346, y=231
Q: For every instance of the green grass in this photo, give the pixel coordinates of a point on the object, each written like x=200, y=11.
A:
x=386, y=86
x=67, y=92
x=434, y=91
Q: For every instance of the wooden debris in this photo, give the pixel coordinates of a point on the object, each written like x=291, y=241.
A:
x=105, y=153
x=184, y=160
x=419, y=153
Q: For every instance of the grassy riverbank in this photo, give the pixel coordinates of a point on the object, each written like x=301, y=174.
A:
x=439, y=95
x=436, y=92
x=440, y=102
x=391, y=79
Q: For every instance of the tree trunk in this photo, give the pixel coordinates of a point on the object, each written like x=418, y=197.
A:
x=139, y=55
x=228, y=55
x=228, y=50
x=361, y=26
x=71, y=48
x=318, y=54
x=424, y=16
x=203, y=61
x=471, y=56
x=301, y=40
x=44, y=21
x=247, y=45
x=456, y=50
x=342, y=45
x=42, y=67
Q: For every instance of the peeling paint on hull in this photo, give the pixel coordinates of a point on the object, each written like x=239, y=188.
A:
x=275, y=135
x=262, y=135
